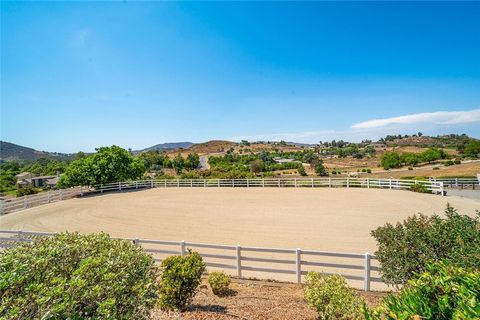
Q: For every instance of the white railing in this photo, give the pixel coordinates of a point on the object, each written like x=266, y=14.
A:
x=16, y=204
x=240, y=260
x=458, y=182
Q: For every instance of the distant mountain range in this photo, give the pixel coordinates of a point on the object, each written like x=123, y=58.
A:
x=168, y=146
x=11, y=151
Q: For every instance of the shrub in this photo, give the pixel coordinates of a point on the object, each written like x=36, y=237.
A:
x=457, y=161
x=435, y=168
x=301, y=170
x=406, y=248
x=448, y=163
x=369, y=170
x=443, y=292
x=331, y=297
x=219, y=282
x=27, y=191
x=410, y=168
x=418, y=187
x=73, y=276
x=179, y=280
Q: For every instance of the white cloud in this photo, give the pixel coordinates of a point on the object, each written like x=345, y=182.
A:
x=438, y=118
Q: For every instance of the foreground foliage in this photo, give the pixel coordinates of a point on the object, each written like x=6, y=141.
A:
x=219, y=282
x=442, y=293
x=331, y=298
x=179, y=280
x=405, y=249
x=73, y=276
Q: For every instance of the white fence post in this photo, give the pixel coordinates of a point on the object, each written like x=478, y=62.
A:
x=368, y=183
x=151, y=183
x=136, y=242
x=248, y=183
x=348, y=182
x=366, y=284
x=101, y=188
x=25, y=204
x=329, y=182
x=182, y=248
x=442, y=191
x=312, y=182
x=178, y=183
x=263, y=182
x=295, y=182
x=239, y=261
x=298, y=264
x=390, y=183
x=119, y=186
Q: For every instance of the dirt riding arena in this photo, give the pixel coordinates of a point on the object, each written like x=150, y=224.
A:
x=320, y=219
x=324, y=219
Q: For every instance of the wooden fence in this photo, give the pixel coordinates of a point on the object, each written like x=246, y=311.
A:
x=16, y=204
x=238, y=260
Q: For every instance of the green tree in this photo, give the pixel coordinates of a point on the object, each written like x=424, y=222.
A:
x=390, y=160
x=318, y=167
x=472, y=148
x=107, y=165
x=178, y=163
x=257, y=166
x=192, y=161
x=433, y=154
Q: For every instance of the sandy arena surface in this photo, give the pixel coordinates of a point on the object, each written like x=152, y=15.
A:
x=321, y=219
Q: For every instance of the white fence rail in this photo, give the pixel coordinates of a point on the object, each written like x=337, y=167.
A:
x=460, y=183
x=238, y=260
x=16, y=204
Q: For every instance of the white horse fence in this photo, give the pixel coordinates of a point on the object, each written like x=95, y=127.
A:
x=246, y=262
x=15, y=204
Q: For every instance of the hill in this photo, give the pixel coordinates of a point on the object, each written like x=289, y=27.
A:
x=168, y=146
x=11, y=151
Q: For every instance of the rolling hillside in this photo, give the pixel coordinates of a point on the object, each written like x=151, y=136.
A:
x=11, y=151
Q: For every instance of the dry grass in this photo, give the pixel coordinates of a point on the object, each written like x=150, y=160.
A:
x=253, y=300
x=464, y=169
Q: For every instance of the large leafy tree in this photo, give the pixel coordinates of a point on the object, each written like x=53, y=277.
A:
x=108, y=164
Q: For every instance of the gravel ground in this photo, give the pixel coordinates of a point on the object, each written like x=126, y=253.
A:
x=253, y=300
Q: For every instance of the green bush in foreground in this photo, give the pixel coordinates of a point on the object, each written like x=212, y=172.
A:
x=73, y=276
x=406, y=248
x=442, y=293
x=331, y=297
x=179, y=280
x=219, y=282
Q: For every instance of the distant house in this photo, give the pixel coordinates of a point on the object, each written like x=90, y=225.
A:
x=27, y=179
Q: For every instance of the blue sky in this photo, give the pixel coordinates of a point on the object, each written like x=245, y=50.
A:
x=78, y=75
